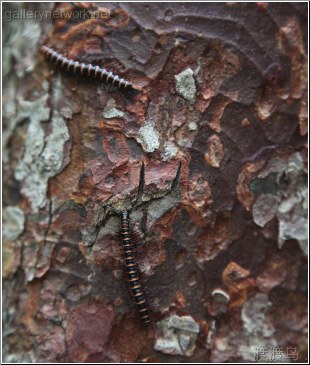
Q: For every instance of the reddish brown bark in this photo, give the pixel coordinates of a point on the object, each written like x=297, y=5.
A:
x=221, y=88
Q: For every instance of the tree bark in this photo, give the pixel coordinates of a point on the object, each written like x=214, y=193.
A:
x=218, y=117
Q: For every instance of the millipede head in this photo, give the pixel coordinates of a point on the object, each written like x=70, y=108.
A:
x=125, y=214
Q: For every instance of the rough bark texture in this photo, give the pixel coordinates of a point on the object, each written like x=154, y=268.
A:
x=221, y=87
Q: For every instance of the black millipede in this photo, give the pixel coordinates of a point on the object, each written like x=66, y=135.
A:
x=86, y=70
x=131, y=265
x=132, y=271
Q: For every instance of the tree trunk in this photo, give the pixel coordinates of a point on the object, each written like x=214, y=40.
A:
x=208, y=155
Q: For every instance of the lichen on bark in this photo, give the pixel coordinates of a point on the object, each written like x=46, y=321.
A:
x=219, y=87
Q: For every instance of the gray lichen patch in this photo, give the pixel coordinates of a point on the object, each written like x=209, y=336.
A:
x=169, y=152
x=177, y=335
x=52, y=155
x=14, y=222
x=42, y=158
x=257, y=330
x=148, y=137
x=9, y=111
x=20, y=42
x=254, y=316
x=15, y=111
x=23, y=357
x=293, y=207
x=289, y=203
x=110, y=113
x=37, y=112
x=264, y=209
x=192, y=126
x=185, y=84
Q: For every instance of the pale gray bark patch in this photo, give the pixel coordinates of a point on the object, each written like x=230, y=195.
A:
x=178, y=335
x=185, y=84
x=14, y=222
x=42, y=159
x=264, y=209
x=170, y=151
x=109, y=113
x=148, y=137
x=288, y=201
x=293, y=208
x=258, y=330
x=21, y=36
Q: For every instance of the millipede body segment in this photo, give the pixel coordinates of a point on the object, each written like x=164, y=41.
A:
x=132, y=270
x=86, y=70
